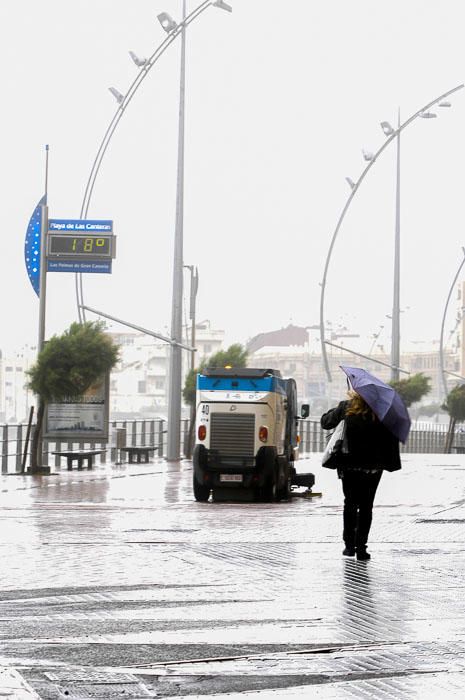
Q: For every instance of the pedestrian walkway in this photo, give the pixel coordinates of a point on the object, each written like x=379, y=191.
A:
x=116, y=583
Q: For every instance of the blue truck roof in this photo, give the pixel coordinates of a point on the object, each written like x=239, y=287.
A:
x=255, y=380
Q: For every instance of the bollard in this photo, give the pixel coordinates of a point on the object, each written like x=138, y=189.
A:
x=121, y=437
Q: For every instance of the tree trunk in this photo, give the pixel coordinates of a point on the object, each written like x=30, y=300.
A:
x=36, y=445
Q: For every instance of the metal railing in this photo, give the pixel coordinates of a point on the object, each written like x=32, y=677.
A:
x=423, y=439
x=148, y=433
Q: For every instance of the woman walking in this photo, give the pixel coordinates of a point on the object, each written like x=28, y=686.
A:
x=371, y=448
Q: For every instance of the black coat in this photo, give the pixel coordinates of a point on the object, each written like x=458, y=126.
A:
x=370, y=444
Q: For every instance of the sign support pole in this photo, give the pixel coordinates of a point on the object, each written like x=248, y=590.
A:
x=43, y=275
x=43, y=259
x=40, y=468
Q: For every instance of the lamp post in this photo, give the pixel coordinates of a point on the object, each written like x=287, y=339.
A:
x=396, y=311
x=395, y=334
x=175, y=367
x=371, y=159
x=193, y=295
x=194, y=285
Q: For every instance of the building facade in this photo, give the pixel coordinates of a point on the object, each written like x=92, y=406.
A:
x=15, y=398
x=139, y=383
x=302, y=360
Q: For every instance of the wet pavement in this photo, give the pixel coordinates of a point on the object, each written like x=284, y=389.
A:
x=116, y=584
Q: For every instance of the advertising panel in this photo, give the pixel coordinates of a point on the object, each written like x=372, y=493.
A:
x=80, y=418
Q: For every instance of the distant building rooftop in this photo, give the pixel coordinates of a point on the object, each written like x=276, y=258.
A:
x=292, y=335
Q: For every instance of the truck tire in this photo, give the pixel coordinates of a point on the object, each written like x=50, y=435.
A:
x=201, y=492
x=267, y=469
x=268, y=492
x=284, y=493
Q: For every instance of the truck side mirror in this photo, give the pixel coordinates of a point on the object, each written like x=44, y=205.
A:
x=305, y=411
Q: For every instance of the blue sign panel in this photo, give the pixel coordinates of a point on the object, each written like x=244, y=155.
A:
x=32, y=247
x=81, y=225
x=102, y=266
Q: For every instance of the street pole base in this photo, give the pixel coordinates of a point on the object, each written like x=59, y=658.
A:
x=38, y=470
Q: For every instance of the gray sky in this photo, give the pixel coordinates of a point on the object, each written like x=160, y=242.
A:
x=281, y=98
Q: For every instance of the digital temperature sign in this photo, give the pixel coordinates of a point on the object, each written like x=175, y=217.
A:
x=70, y=246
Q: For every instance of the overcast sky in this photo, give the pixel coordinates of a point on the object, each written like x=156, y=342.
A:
x=282, y=95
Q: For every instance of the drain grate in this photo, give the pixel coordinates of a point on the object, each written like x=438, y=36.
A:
x=107, y=691
x=85, y=676
x=90, y=685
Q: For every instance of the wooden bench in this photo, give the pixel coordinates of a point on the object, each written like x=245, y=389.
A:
x=138, y=452
x=80, y=456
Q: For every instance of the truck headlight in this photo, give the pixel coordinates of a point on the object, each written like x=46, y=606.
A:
x=202, y=432
x=263, y=433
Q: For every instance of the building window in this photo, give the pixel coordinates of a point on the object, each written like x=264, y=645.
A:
x=159, y=383
x=141, y=387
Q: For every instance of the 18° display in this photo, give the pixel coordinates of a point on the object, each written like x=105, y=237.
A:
x=82, y=246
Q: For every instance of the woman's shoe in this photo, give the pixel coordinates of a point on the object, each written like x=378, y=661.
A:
x=362, y=554
x=349, y=552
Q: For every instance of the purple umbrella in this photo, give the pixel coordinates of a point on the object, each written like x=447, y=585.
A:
x=383, y=400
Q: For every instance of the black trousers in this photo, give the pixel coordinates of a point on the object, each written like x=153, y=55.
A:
x=359, y=489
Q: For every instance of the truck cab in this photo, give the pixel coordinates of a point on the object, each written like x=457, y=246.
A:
x=246, y=434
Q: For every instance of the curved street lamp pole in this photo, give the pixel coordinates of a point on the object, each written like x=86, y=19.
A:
x=176, y=31
x=354, y=188
x=441, y=338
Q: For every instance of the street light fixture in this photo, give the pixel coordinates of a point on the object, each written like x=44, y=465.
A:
x=222, y=5
x=387, y=128
x=427, y=115
x=367, y=155
x=167, y=22
x=138, y=61
x=116, y=94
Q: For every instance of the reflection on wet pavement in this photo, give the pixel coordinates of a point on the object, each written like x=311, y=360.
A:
x=116, y=583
